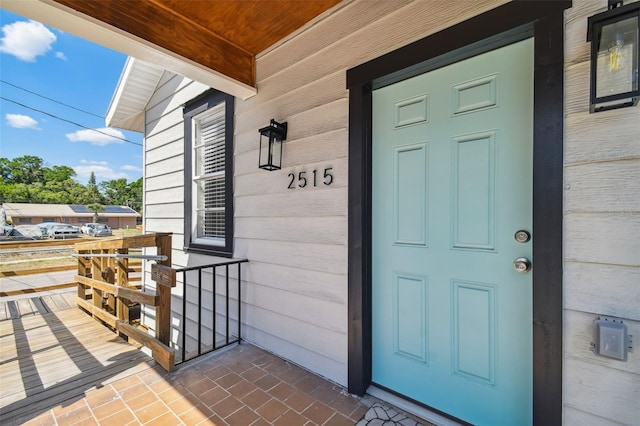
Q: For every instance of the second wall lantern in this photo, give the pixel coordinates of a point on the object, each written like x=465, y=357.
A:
x=614, y=40
x=271, y=139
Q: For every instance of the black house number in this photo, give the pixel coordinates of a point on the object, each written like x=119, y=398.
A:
x=315, y=177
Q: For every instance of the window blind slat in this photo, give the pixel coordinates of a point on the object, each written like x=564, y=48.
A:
x=209, y=176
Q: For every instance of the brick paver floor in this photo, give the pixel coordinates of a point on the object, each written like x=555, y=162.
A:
x=240, y=386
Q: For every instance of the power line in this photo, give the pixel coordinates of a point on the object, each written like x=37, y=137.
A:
x=50, y=99
x=69, y=121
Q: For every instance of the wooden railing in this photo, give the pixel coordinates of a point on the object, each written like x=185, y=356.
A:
x=106, y=291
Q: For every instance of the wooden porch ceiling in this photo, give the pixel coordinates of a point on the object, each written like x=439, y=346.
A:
x=223, y=35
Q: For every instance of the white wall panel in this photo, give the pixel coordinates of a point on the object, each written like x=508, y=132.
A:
x=604, y=187
x=604, y=136
x=167, y=165
x=601, y=391
x=602, y=288
x=601, y=234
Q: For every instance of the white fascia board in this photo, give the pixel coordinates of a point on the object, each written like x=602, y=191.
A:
x=135, y=88
x=66, y=19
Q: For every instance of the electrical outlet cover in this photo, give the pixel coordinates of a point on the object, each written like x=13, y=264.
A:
x=610, y=338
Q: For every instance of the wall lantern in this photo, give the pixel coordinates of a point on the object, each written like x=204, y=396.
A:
x=271, y=138
x=614, y=38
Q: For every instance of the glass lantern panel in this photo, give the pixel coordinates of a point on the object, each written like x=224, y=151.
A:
x=617, y=61
x=270, y=152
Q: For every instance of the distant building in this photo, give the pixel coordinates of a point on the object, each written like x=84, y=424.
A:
x=73, y=214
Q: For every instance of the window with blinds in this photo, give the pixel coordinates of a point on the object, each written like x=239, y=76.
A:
x=208, y=177
x=209, y=174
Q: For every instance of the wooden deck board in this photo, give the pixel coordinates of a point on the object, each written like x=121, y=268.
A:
x=57, y=302
x=82, y=356
x=54, y=302
x=51, y=357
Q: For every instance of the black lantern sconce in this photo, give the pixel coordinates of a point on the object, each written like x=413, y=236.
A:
x=271, y=139
x=614, y=38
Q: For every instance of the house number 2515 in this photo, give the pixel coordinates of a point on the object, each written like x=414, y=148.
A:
x=315, y=177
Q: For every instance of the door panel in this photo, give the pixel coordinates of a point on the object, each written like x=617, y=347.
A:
x=452, y=183
x=410, y=194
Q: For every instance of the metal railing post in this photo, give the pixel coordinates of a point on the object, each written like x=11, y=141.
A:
x=239, y=304
x=227, y=311
x=184, y=315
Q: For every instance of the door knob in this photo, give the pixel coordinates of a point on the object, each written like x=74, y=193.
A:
x=522, y=265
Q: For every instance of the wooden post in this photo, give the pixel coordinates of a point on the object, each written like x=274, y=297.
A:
x=83, y=271
x=96, y=274
x=122, y=279
x=108, y=268
x=122, y=276
x=163, y=310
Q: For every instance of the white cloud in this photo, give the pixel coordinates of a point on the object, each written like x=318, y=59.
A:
x=26, y=40
x=20, y=121
x=101, y=169
x=131, y=168
x=93, y=162
x=101, y=137
x=61, y=55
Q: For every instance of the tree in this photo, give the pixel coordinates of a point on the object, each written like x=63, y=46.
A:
x=5, y=169
x=25, y=180
x=115, y=191
x=134, y=195
x=94, y=194
x=26, y=169
x=121, y=193
x=58, y=173
x=95, y=208
x=15, y=193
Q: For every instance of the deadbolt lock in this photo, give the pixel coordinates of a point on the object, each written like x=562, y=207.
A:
x=522, y=236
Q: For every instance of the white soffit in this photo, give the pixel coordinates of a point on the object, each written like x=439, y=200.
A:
x=136, y=86
x=66, y=19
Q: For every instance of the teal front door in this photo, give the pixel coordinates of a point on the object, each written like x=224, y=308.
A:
x=452, y=211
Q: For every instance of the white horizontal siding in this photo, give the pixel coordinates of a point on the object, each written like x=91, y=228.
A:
x=601, y=239
x=161, y=196
x=315, y=257
x=316, y=230
x=574, y=417
x=604, y=187
x=324, y=285
x=609, y=238
x=604, y=136
x=355, y=16
x=614, y=287
x=166, y=166
x=602, y=391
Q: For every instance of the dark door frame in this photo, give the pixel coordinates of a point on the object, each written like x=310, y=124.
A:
x=544, y=20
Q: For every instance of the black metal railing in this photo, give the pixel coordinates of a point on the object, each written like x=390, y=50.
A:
x=221, y=334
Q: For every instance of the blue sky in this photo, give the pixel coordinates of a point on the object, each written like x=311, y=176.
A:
x=72, y=71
